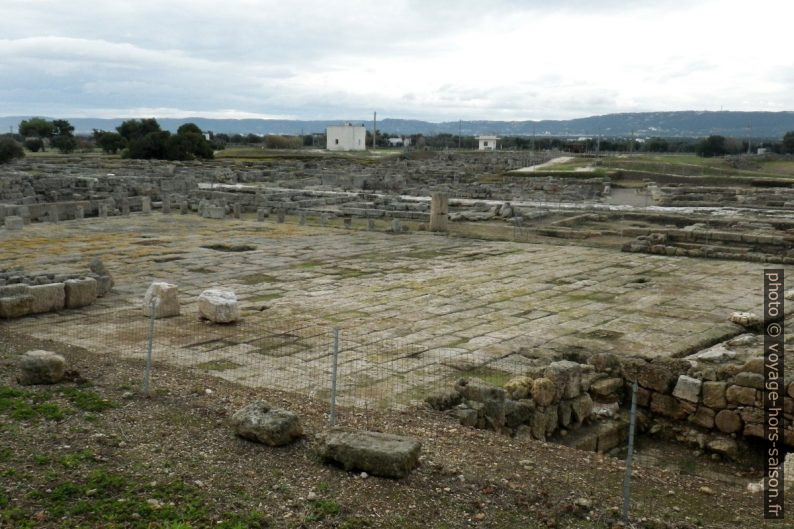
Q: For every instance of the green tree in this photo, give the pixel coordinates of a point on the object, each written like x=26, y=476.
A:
x=34, y=144
x=152, y=145
x=658, y=145
x=36, y=127
x=109, y=142
x=788, y=142
x=134, y=129
x=10, y=149
x=711, y=146
x=65, y=143
x=188, y=127
x=61, y=127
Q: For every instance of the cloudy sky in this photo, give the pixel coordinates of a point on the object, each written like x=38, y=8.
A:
x=432, y=59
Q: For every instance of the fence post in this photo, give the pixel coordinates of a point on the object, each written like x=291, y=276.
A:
x=630, y=453
x=334, y=362
x=148, y=371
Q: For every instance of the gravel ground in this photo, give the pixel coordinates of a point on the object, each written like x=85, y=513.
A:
x=94, y=452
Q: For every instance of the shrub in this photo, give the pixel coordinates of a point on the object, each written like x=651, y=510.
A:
x=34, y=144
x=10, y=150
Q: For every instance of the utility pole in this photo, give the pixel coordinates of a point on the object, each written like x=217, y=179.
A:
x=374, y=129
x=460, y=132
x=749, y=135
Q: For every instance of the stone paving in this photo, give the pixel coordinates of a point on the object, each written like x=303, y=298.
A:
x=414, y=309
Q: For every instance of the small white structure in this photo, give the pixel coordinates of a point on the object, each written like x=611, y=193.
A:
x=347, y=137
x=399, y=142
x=762, y=150
x=487, y=143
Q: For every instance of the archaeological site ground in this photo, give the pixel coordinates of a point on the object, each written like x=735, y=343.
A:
x=495, y=309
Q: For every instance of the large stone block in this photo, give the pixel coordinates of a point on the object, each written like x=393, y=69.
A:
x=40, y=367
x=14, y=223
x=47, y=297
x=649, y=375
x=379, y=454
x=703, y=417
x=740, y=395
x=262, y=423
x=566, y=377
x=165, y=298
x=714, y=395
x=670, y=406
x=687, y=388
x=606, y=389
x=218, y=305
x=80, y=292
x=728, y=421
x=544, y=392
x=749, y=380
x=15, y=301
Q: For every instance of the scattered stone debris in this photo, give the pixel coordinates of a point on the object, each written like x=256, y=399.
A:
x=218, y=305
x=379, y=454
x=261, y=422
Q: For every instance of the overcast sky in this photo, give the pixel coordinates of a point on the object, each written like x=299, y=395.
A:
x=432, y=60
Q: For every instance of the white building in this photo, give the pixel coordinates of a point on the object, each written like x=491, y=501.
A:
x=347, y=137
x=487, y=143
x=399, y=142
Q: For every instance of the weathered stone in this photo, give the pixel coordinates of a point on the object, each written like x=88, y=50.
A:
x=102, y=211
x=648, y=374
x=740, y=395
x=215, y=212
x=146, y=205
x=14, y=223
x=518, y=412
x=751, y=415
x=443, y=399
x=218, y=305
x=477, y=390
x=103, y=277
x=566, y=377
x=753, y=430
x=749, y=380
x=280, y=215
x=724, y=446
x=754, y=365
x=582, y=408
x=236, y=210
x=80, y=292
x=262, y=423
x=40, y=367
x=166, y=204
x=728, y=421
x=396, y=227
x=439, y=211
x=519, y=387
x=703, y=417
x=605, y=363
x=687, y=388
x=544, y=422
x=261, y=214
x=15, y=301
x=379, y=454
x=543, y=391
x=564, y=413
x=606, y=389
x=669, y=406
x=746, y=319
x=47, y=297
x=714, y=395
x=79, y=213
x=165, y=297
x=466, y=415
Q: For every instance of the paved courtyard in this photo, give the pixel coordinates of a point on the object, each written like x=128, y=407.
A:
x=413, y=309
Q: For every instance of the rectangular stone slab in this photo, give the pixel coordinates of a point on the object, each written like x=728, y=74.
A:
x=379, y=454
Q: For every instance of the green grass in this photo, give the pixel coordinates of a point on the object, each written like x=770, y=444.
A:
x=28, y=406
x=495, y=377
x=321, y=509
x=87, y=400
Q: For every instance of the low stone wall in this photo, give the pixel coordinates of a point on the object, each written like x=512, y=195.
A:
x=714, y=406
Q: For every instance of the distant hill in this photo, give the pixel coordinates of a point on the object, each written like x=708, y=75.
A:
x=641, y=124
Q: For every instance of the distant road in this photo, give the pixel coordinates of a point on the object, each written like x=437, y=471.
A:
x=553, y=161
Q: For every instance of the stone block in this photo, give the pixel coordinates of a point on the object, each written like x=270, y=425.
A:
x=215, y=212
x=728, y=421
x=146, y=205
x=13, y=223
x=740, y=395
x=165, y=297
x=703, y=417
x=379, y=454
x=656, y=377
x=40, y=367
x=606, y=389
x=15, y=301
x=687, y=388
x=79, y=213
x=749, y=380
x=444, y=399
x=670, y=406
x=566, y=377
x=218, y=305
x=48, y=297
x=518, y=412
x=80, y=292
x=714, y=395
x=262, y=423
x=544, y=392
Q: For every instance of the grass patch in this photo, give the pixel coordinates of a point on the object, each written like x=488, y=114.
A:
x=87, y=400
x=28, y=405
x=255, y=279
x=321, y=509
x=495, y=377
x=218, y=365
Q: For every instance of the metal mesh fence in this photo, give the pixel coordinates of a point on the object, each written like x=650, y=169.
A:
x=373, y=371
